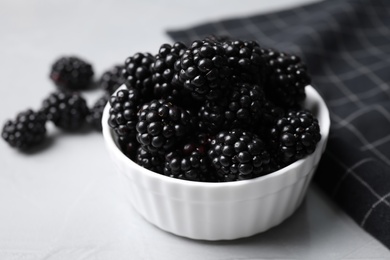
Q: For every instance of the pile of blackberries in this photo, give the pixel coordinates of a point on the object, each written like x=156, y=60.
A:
x=216, y=110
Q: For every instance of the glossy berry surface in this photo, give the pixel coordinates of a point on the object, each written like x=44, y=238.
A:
x=137, y=73
x=286, y=78
x=123, y=111
x=238, y=155
x=203, y=70
x=189, y=162
x=161, y=125
x=295, y=135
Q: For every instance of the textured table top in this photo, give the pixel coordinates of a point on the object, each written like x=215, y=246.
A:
x=66, y=201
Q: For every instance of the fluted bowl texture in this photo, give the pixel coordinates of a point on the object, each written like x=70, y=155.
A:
x=219, y=211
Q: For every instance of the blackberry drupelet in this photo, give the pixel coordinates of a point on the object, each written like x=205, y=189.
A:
x=246, y=60
x=243, y=108
x=71, y=73
x=150, y=161
x=112, y=79
x=189, y=163
x=137, y=73
x=203, y=70
x=161, y=125
x=286, y=78
x=238, y=155
x=294, y=136
x=123, y=111
x=94, y=117
x=26, y=131
x=67, y=111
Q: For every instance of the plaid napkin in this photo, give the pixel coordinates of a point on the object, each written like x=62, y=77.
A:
x=346, y=46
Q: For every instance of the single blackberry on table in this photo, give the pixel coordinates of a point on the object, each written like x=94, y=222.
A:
x=71, y=73
x=137, y=73
x=26, y=131
x=287, y=77
x=112, y=79
x=150, y=161
x=123, y=111
x=294, y=136
x=203, y=70
x=242, y=107
x=238, y=155
x=94, y=117
x=161, y=125
x=190, y=162
x=67, y=111
x=246, y=60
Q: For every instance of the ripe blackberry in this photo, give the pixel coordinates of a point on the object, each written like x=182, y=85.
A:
x=188, y=163
x=286, y=79
x=165, y=81
x=137, y=73
x=26, y=131
x=203, y=70
x=112, y=79
x=67, y=111
x=150, y=161
x=162, y=124
x=238, y=155
x=71, y=73
x=123, y=111
x=242, y=107
x=94, y=117
x=246, y=60
x=294, y=136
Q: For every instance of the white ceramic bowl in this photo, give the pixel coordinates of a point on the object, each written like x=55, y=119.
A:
x=220, y=211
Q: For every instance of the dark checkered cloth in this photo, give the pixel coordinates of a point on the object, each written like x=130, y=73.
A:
x=346, y=45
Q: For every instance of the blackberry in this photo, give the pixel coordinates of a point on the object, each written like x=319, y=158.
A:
x=165, y=81
x=238, y=155
x=71, y=73
x=203, y=70
x=150, y=161
x=137, y=73
x=188, y=163
x=112, y=79
x=246, y=60
x=294, y=136
x=94, y=117
x=242, y=107
x=67, y=111
x=123, y=111
x=162, y=124
x=286, y=79
x=26, y=131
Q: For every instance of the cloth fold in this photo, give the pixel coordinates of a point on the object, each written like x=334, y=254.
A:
x=346, y=46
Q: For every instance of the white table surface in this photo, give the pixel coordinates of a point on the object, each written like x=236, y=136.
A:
x=66, y=201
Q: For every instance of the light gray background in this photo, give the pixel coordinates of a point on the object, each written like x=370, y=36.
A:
x=66, y=202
